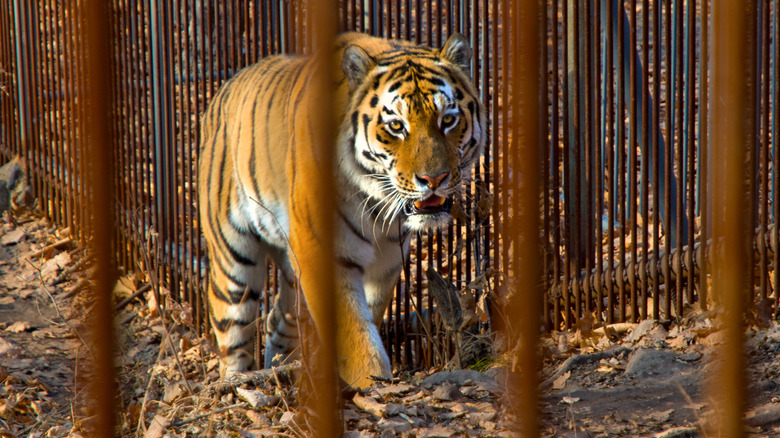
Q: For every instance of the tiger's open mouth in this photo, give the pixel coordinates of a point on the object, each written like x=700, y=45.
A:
x=430, y=205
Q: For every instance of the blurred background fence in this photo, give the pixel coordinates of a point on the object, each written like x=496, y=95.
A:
x=626, y=169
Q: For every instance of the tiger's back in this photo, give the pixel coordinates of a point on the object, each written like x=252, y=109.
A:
x=410, y=125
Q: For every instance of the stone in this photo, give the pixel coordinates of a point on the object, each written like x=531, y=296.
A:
x=650, y=362
x=14, y=189
x=460, y=377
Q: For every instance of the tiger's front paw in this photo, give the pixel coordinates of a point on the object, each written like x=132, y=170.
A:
x=235, y=362
x=359, y=366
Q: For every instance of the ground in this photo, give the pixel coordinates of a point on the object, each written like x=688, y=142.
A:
x=625, y=380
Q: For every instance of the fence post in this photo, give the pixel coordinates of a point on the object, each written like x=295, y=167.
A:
x=97, y=118
x=733, y=116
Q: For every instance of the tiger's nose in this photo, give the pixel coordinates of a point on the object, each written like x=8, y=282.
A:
x=432, y=182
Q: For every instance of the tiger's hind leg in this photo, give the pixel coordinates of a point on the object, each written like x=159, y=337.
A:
x=233, y=302
x=281, y=334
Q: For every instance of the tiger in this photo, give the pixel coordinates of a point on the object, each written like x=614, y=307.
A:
x=411, y=127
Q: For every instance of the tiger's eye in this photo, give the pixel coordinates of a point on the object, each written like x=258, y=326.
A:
x=447, y=120
x=395, y=125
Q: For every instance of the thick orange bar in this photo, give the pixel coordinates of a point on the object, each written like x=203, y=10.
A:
x=733, y=140
x=97, y=123
x=525, y=144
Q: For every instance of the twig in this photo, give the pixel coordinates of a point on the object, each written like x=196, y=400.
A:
x=54, y=245
x=141, y=290
x=215, y=411
x=67, y=272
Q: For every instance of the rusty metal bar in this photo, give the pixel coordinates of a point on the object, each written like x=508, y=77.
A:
x=524, y=38
x=657, y=9
x=733, y=115
x=323, y=391
x=95, y=19
x=704, y=154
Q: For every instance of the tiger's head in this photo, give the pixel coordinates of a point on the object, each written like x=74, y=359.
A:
x=415, y=126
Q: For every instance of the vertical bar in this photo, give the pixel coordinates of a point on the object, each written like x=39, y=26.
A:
x=632, y=161
x=525, y=39
x=620, y=143
x=733, y=110
x=763, y=190
x=324, y=27
x=776, y=162
x=676, y=137
x=610, y=141
x=667, y=172
x=598, y=171
x=656, y=266
x=645, y=157
x=96, y=19
x=691, y=142
x=555, y=145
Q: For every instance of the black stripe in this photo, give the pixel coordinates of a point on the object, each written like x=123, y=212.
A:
x=350, y=264
x=374, y=101
x=241, y=345
x=352, y=227
x=225, y=324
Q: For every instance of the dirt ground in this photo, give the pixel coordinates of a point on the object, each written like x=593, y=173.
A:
x=626, y=380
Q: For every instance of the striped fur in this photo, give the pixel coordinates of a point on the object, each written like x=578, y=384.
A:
x=412, y=127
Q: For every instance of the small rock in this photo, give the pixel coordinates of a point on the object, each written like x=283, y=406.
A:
x=395, y=389
x=459, y=377
x=397, y=426
x=20, y=326
x=13, y=237
x=437, y=432
x=678, y=432
x=447, y=392
x=647, y=362
x=7, y=347
x=763, y=415
x=641, y=330
x=14, y=189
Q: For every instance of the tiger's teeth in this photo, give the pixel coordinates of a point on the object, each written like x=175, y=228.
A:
x=441, y=201
x=418, y=205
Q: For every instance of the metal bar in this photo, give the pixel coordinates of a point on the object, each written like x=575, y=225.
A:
x=610, y=141
x=691, y=142
x=676, y=138
x=524, y=36
x=324, y=384
x=657, y=9
x=632, y=160
x=733, y=118
x=620, y=143
x=645, y=111
x=555, y=146
x=597, y=162
x=667, y=157
x=96, y=19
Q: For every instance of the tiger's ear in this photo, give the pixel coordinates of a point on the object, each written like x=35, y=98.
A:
x=457, y=51
x=356, y=64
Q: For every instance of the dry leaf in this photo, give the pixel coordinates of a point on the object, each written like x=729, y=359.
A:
x=156, y=429
x=370, y=405
x=256, y=399
x=560, y=382
x=570, y=400
x=13, y=237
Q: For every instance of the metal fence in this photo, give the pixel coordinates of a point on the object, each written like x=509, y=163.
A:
x=626, y=170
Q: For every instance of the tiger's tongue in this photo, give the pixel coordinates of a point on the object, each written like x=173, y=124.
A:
x=432, y=201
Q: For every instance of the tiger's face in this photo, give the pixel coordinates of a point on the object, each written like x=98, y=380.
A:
x=417, y=124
